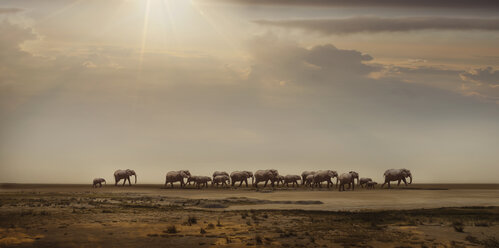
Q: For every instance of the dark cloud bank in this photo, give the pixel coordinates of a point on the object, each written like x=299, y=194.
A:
x=380, y=24
x=451, y=4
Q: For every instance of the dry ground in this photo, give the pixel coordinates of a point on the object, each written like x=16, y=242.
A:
x=78, y=216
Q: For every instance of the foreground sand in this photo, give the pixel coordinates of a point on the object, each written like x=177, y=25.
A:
x=148, y=216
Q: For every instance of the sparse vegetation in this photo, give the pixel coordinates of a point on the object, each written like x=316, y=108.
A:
x=171, y=229
x=288, y=228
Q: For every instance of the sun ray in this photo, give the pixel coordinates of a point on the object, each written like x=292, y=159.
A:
x=144, y=35
x=165, y=4
x=212, y=24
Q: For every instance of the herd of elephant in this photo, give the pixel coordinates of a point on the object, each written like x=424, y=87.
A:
x=307, y=178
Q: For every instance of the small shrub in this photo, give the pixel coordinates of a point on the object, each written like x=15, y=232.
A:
x=172, y=229
x=211, y=226
x=458, y=226
x=472, y=239
x=490, y=242
x=192, y=220
x=258, y=239
x=202, y=231
x=218, y=222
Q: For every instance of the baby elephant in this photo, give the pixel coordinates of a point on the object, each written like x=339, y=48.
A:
x=98, y=181
x=223, y=179
x=309, y=180
x=371, y=185
x=202, y=180
x=363, y=181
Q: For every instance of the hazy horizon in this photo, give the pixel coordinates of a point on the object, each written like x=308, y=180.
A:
x=89, y=87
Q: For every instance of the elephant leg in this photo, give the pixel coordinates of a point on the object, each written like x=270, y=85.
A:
x=403, y=179
x=353, y=185
x=241, y=183
x=265, y=185
x=246, y=182
x=129, y=182
x=398, y=184
x=389, y=186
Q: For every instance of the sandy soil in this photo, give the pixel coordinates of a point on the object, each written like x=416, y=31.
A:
x=148, y=216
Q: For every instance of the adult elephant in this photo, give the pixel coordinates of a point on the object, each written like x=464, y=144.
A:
x=177, y=176
x=304, y=176
x=348, y=178
x=124, y=174
x=266, y=176
x=397, y=175
x=325, y=176
x=241, y=176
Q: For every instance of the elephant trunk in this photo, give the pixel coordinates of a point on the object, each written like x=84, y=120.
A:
x=410, y=182
x=135, y=178
x=253, y=180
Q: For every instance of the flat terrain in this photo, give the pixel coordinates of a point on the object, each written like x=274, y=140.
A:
x=149, y=216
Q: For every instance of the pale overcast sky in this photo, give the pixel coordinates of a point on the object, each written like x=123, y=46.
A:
x=88, y=87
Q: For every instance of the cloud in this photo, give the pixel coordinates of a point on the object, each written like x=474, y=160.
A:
x=487, y=76
x=10, y=10
x=380, y=24
x=278, y=61
x=448, y=4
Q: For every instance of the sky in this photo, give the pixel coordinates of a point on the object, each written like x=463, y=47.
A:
x=89, y=86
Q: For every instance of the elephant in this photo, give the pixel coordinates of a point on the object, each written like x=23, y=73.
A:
x=223, y=179
x=220, y=173
x=202, y=181
x=280, y=179
x=266, y=176
x=371, y=185
x=177, y=176
x=364, y=180
x=293, y=179
x=99, y=181
x=325, y=176
x=124, y=174
x=241, y=176
x=304, y=176
x=397, y=175
x=348, y=178
x=309, y=180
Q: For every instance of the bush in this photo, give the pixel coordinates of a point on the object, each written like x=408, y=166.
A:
x=172, y=229
x=258, y=240
x=458, y=226
x=192, y=220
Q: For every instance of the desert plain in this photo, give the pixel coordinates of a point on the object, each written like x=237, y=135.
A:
x=420, y=215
